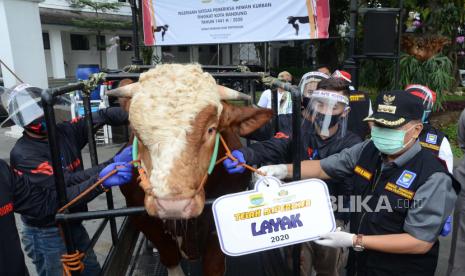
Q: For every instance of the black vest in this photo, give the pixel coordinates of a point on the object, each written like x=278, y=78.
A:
x=359, y=103
x=431, y=139
x=398, y=185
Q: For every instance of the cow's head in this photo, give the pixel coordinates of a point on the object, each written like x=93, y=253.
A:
x=175, y=111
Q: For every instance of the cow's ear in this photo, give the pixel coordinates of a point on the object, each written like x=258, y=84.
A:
x=243, y=119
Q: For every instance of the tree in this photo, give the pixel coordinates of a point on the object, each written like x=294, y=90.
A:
x=97, y=24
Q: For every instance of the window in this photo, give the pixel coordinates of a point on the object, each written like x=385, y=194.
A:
x=79, y=42
x=46, y=40
x=166, y=48
x=183, y=49
x=125, y=43
x=101, y=45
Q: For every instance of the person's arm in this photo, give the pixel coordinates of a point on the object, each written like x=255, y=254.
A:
x=264, y=98
x=77, y=128
x=445, y=153
x=274, y=150
x=433, y=203
x=461, y=131
x=396, y=243
x=337, y=166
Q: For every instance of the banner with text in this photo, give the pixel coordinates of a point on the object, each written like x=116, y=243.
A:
x=273, y=215
x=182, y=22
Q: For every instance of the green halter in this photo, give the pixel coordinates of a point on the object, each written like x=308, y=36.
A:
x=135, y=153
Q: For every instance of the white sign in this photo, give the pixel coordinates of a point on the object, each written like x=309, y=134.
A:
x=273, y=215
x=174, y=22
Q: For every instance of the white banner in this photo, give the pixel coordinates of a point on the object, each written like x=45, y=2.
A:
x=175, y=22
x=273, y=215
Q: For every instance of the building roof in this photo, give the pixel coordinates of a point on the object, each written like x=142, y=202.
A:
x=65, y=17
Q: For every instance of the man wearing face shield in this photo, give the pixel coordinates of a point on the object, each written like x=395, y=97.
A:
x=401, y=239
x=323, y=134
x=360, y=106
x=308, y=84
x=431, y=138
x=30, y=159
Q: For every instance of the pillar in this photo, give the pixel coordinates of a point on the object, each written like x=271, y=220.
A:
x=56, y=54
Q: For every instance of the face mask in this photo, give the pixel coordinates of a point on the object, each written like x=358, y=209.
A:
x=389, y=141
x=38, y=127
x=305, y=101
x=320, y=118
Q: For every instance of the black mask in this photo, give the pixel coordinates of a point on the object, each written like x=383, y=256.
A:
x=319, y=119
x=37, y=126
x=305, y=101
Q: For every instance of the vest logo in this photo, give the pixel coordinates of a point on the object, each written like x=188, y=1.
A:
x=281, y=135
x=406, y=179
x=399, y=191
x=429, y=146
x=431, y=138
x=357, y=98
x=363, y=172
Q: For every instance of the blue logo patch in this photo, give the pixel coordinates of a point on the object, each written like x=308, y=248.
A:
x=406, y=179
x=431, y=138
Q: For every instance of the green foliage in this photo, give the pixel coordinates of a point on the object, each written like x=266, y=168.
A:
x=95, y=5
x=435, y=73
x=451, y=133
x=97, y=24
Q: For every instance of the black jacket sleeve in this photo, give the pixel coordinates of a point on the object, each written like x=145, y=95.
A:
x=114, y=116
x=11, y=255
x=35, y=192
x=275, y=150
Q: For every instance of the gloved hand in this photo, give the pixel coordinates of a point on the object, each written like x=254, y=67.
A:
x=447, y=227
x=278, y=171
x=336, y=239
x=232, y=166
x=124, y=156
x=123, y=175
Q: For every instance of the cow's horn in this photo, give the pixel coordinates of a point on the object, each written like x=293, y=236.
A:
x=126, y=91
x=231, y=94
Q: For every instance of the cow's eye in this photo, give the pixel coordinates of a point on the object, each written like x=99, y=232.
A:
x=212, y=130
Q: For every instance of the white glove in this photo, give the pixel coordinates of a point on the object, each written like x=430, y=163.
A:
x=278, y=171
x=336, y=239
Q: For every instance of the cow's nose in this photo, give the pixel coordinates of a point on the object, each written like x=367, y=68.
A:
x=176, y=208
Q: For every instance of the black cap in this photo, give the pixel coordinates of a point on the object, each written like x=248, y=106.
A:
x=394, y=109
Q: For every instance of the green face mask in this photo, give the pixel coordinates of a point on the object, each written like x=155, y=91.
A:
x=388, y=141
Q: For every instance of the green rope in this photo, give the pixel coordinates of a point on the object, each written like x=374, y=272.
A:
x=214, y=154
x=93, y=81
x=135, y=151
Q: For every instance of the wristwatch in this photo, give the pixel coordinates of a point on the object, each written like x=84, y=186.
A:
x=358, y=245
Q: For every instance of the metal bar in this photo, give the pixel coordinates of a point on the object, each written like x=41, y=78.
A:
x=90, y=130
x=274, y=107
x=47, y=104
x=296, y=160
x=58, y=91
x=135, y=33
x=97, y=235
x=220, y=75
x=121, y=212
x=399, y=37
x=120, y=255
x=94, y=160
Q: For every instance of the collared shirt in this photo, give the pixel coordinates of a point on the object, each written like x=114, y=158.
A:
x=436, y=195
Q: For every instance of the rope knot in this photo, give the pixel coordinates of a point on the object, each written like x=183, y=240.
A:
x=72, y=262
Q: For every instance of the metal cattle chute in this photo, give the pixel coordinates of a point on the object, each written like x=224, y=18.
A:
x=124, y=240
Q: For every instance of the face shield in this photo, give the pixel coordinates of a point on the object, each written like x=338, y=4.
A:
x=308, y=84
x=326, y=114
x=23, y=104
x=426, y=96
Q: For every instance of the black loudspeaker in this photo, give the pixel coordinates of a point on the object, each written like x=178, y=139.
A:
x=380, y=33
